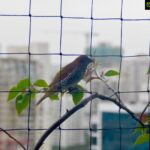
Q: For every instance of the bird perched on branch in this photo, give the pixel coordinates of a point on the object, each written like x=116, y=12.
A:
x=68, y=76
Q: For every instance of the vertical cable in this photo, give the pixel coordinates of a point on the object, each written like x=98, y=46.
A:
x=29, y=76
x=120, y=69
x=91, y=40
x=60, y=50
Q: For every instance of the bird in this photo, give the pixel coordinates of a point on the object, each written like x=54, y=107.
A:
x=68, y=76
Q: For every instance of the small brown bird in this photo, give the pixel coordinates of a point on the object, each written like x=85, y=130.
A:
x=68, y=76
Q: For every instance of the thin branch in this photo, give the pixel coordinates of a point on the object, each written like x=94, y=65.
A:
x=108, y=86
x=76, y=108
x=13, y=138
x=117, y=96
x=144, y=110
x=62, y=119
x=102, y=97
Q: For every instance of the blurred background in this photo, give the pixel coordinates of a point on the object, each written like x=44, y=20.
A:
x=32, y=36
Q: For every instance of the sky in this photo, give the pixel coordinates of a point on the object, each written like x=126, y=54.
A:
x=135, y=34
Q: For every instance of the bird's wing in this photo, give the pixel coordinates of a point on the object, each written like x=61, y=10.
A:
x=61, y=75
x=64, y=73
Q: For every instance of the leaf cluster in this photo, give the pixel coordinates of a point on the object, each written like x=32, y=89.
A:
x=25, y=91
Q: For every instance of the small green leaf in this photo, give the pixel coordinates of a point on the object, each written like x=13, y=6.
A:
x=54, y=96
x=142, y=139
x=77, y=96
x=40, y=83
x=22, y=101
x=23, y=84
x=13, y=92
x=111, y=73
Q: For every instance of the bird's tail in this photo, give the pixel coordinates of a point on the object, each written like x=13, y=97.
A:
x=47, y=94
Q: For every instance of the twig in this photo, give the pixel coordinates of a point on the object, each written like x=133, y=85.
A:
x=76, y=108
x=62, y=119
x=13, y=138
x=108, y=86
x=115, y=93
x=122, y=107
x=144, y=110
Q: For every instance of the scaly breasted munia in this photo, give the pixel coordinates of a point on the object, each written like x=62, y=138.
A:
x=68, y=76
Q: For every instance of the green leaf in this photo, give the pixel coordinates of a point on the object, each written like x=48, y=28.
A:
x=40, y=83
x=111, y=73
x=23, y=84
x=142, y=139
x=22, y=101
x=78, y=94
x=54, y=96
x=13, y=92
x=77, y=97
